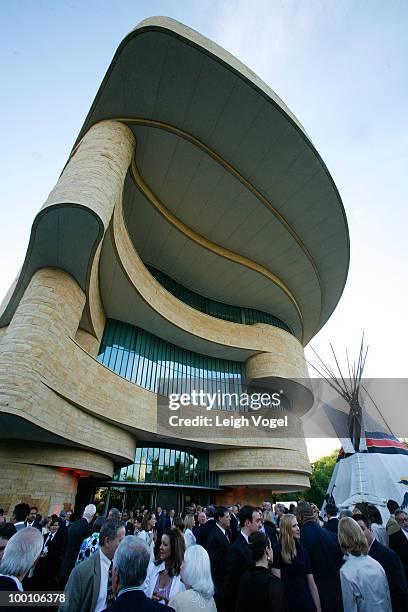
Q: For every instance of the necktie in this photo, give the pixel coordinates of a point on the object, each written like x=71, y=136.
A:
x=45, y=548
x=109, y=595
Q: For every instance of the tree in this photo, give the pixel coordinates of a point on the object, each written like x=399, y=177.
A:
x=322, y=471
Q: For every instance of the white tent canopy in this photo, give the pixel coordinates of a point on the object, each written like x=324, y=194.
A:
x=370, y=477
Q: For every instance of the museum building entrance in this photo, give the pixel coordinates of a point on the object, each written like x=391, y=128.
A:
x=168, y=476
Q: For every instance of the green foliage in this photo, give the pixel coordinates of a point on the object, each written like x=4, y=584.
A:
x=322, y=471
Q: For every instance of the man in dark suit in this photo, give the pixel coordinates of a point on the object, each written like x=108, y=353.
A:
x=325, y=558
x=239, y=556
x=207, y=527
x=7, y=530
x=129, y=573
x=129, y=526
x=161, y=521
x=31, y=520
x=170, y=518
x=75, y=535
x=48, y=566
x=201, y=521
x=64, y=518
x=90, y=585
x=20, y=555
x=391, y=563
x=161, y=525
x=218, y=545
x=332, y=523
x=280, y=510
x=20, y=514
x=53, y=543
x=399, y=540
x=234, y=524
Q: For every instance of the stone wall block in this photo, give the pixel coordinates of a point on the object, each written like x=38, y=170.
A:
x=95, y=174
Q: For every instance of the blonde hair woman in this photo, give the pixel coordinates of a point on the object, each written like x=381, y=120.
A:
x=189, y=537
x=316, y=515
x=291, y=563
x=364, y=585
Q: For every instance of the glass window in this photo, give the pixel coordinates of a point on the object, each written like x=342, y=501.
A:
x=227, y=312
x=161, y=457
x=157, y=365
x=169, y=465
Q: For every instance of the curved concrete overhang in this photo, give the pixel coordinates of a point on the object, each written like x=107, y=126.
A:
x=130, y=293
x=54, y=232
x=221, y=157
x=279, y=481
x=83, y=463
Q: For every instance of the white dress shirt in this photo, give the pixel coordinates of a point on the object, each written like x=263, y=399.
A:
x=103, y=589
x=222, y=529
x=47, y=542
x=242, y=532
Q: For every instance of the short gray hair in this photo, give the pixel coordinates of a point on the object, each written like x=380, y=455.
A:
x=109, y=530
x=196, y=573
x=90, y=511
x=114, y=513
x=131, y=560
x=268, y=516
x=21, y=552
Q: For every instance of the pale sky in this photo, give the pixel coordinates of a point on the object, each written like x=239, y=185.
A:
x=340, y=67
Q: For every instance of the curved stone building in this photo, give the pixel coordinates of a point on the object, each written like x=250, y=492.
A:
x=195, y=234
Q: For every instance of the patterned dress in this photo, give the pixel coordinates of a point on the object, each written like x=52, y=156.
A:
x=88, y=547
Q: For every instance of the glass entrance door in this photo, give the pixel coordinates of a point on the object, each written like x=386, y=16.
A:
x=136, y=498
x=168, y=498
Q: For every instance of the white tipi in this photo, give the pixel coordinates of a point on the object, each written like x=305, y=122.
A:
x=372, y=465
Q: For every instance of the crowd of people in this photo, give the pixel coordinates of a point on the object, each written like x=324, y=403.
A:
x=215, y=559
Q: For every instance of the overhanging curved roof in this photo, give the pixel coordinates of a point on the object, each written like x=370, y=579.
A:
x=227, y=186
x=227, y=193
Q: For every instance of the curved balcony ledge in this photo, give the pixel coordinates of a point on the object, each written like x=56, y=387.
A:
x=156, y=309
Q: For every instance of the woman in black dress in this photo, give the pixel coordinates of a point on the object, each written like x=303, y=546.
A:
x=258, y=589
x=291, y=564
